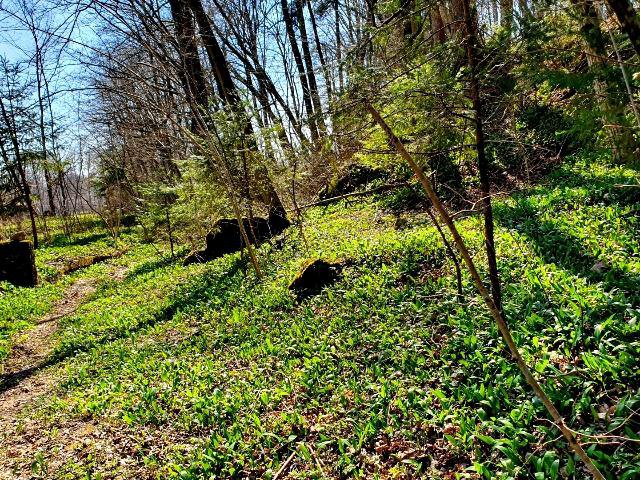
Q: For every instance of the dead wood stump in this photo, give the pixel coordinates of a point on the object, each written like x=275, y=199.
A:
x=18, y=263
x=226, y=237
x=314, y=276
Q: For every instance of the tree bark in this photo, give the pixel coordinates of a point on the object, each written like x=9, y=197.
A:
x=311, y=76
x=41, y=121
x=628, y=18
x=192, y=77
x=217, y=60
x=26, y=188
x=336, y=12
x=506, y=14
x=306, y=92
x=323, y=63
x=437, y=25
x=483, y=163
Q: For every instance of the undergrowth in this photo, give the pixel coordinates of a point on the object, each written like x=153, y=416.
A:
x=385, y=374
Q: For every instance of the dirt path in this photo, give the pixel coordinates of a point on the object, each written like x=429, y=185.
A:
x=26, y=377
x=35, y=349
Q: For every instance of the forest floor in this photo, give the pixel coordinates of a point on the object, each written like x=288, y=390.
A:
x=26, y=377
x=151, y=369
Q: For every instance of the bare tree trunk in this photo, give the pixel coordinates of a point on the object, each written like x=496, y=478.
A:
x=306, y=92
x=450, y=251
x=192, y=76
x=525, y=12
x=311, y=76
x=217, y=60
x=336, y=11
x=60, y=168
x=506, y=13
x=41, y=126
x=437, y=25
x=483, y=164
x=316, y=36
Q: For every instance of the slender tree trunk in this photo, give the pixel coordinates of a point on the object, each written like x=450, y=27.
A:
x=311, y=76
x=26, y=188
x=193, y=80
x=628, y=18
x=54, y=149
x=450, y=251
x=323, y=63
x=217, y=60
x=437, y=25
x=525, y=12
x=169, y=229
x=506, y=14
x=406, y=14
x=336, y=11
x=306, y=92
x=41, y=126
x=483, y=163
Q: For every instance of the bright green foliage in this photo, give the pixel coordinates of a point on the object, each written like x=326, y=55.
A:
x=19, y=307
x=384, y=373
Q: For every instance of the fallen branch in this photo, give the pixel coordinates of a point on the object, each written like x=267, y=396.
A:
x=484, y=293
x=382, y=188
x=79, y=263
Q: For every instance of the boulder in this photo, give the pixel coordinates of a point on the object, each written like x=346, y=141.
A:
x=128, y=220
x=314, y=276
x=18, y=263
x=226, y=237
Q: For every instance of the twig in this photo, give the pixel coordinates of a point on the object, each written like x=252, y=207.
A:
x=317, y=460
x=284, y=466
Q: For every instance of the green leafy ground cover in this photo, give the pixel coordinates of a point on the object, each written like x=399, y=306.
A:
x=20, y=307
x=383, y=375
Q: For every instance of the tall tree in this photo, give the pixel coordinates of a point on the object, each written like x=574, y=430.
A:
x=311, y=76
x=230, y=95
x=10, y=129
x=319, y=49
x=306, y=90
x=506, y=13
x=191, y=73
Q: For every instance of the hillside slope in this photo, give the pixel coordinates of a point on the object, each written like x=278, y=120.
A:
x=205, y=372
